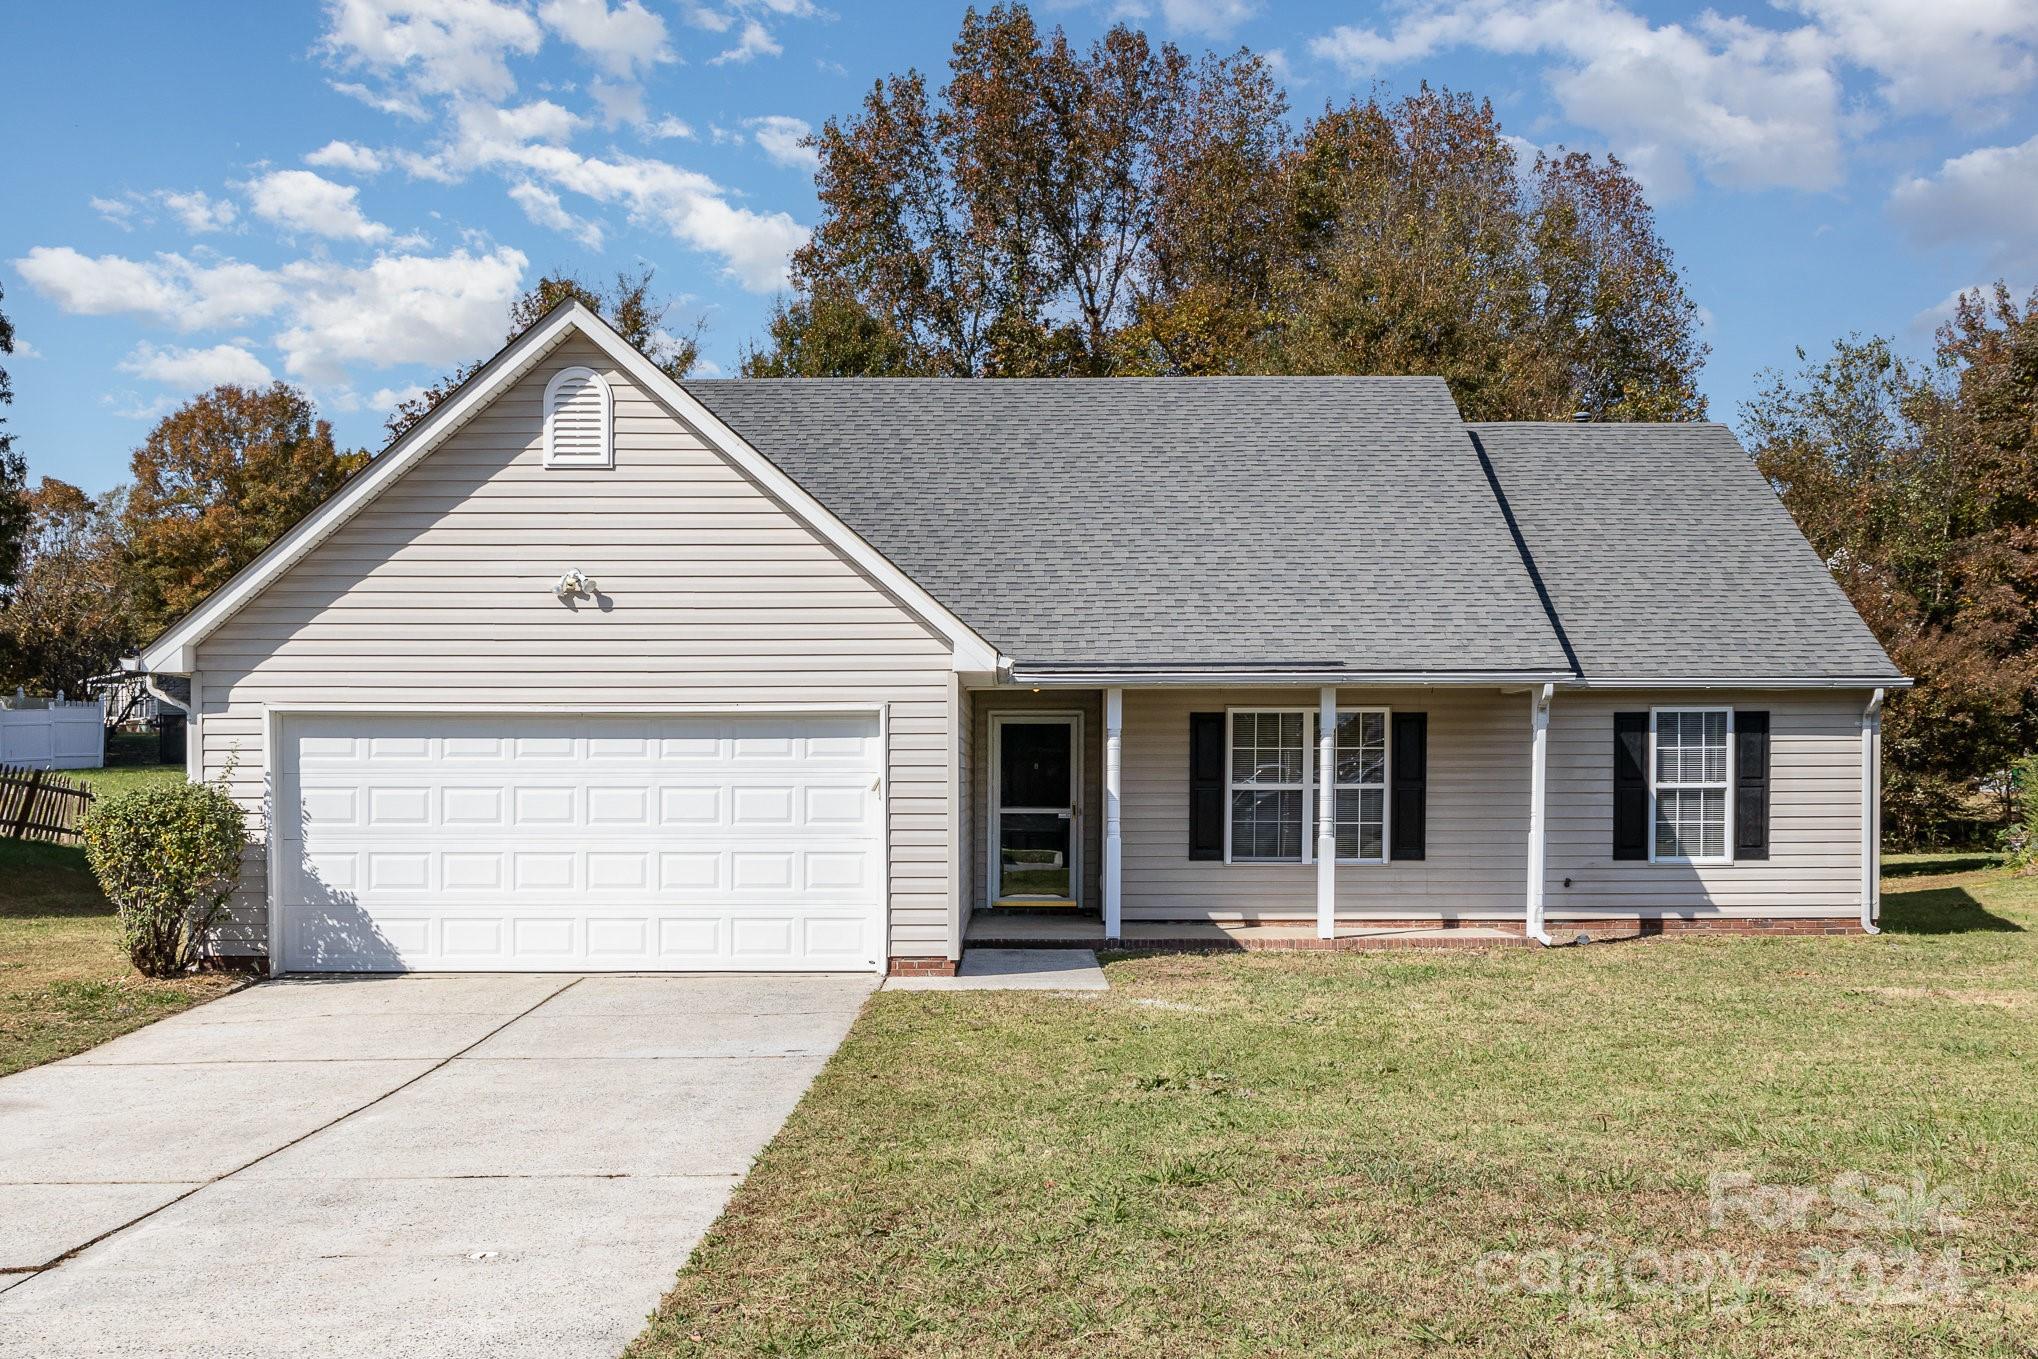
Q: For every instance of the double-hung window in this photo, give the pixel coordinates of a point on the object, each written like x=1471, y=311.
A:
x=1270, y=758
x=1273, y=786
x=1361, y=774
x=1690, y=781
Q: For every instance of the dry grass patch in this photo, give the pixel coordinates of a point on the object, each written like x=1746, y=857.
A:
x=1313, y=1154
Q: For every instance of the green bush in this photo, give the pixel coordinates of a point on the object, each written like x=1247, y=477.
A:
x=2020, y=841
x=167, y=858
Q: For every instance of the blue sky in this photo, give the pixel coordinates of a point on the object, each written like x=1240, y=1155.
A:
x=346, y=195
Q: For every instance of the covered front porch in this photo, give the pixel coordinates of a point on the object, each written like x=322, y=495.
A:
x=1012, y=929
x=1255, y=814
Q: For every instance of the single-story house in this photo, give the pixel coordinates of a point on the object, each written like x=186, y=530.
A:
x=595, y=669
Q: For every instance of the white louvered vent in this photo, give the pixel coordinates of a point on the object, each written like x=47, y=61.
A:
x=578, y=425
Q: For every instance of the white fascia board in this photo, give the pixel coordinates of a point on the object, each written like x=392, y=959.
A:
x=1135, y=679
x=1770, y=682
x=173, y=652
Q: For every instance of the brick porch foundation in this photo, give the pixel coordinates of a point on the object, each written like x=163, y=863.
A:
x=919, y=967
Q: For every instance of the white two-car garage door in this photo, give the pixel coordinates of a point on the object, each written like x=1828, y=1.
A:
x=497, y=843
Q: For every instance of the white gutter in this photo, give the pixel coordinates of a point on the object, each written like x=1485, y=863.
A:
x=1845, y=682
x=1539, y=782
x=1127, y=679
x=1871, y=814
x=133, y=665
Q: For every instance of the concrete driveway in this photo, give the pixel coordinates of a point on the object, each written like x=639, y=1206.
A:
x=423, y=1165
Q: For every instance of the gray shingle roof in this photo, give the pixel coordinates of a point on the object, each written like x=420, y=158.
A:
x=1667, y=556
x=1335, y=522
x=1274, y=522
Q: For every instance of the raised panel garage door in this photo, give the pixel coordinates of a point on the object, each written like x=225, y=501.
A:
x=579, y=843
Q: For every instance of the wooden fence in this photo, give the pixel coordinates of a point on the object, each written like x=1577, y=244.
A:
x=36, y=804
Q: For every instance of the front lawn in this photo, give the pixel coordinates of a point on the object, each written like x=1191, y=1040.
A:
x=64, y=983
x=1504, y=1153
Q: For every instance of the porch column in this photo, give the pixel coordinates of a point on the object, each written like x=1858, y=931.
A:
x=1326, y=813
x=1539, y=778
x=1114, y=776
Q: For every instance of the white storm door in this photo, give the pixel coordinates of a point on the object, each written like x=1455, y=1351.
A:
x=533, y=843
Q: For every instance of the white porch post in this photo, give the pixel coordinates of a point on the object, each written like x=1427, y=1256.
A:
x=1539, y=779
x=1114, y=776
x=1326, y=813
x=1871, y=815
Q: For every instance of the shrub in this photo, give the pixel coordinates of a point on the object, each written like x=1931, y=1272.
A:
x=168, y=858
x=2020, y=841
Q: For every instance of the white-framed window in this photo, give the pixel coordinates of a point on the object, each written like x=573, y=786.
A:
x=579, y=420
x=1691, y=772
x=1360, y=769
x=1272, y=813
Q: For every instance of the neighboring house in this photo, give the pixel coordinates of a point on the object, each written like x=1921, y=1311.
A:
x=593, y=669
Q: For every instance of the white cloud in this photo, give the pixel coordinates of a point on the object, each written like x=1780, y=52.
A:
x=1946, y=55
x=525, y=144
x=713, y=20
x=298, y=200
x=1987, y=195
x=669, y=127
x=402, y=309
x=781, y=138
x=754, y=41
x=131, y=406
x=434, y=47
x=119, y=211
x=1210, y=18
x=625, y=41
x=109, y=285
x=542, y=206
x=399, y=309
x=338, y=155
x=196, y=368
x=383, y=101
x=1752, y=107
x=198, y=212
x=24, y=350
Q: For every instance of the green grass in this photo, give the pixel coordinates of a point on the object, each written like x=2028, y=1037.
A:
x=65, y=985
x=124, y=778
x=1291, y=1154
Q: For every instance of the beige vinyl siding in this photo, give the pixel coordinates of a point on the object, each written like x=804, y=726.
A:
x=968, y=803
x=1478, y=814
x=1089, y=704
x=1814, y=864
x=439, y=592
x=1479, y=752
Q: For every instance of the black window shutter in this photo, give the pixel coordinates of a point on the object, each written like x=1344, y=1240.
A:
x=1751, y=785
x=1630, y=785
x=1410, y=810
x=1206, y=785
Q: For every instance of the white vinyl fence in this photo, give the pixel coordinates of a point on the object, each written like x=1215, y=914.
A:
x=54, y=733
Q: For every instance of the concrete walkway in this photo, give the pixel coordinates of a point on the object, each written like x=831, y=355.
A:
x=424, y=1166
x=1015, y=969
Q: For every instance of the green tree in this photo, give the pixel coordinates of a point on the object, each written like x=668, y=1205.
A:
x=69, y=619
x=1915, y=484
x=14, y=510
x=218, y=480
x=1419, y=245
x=627, y=304
x=1124, y=209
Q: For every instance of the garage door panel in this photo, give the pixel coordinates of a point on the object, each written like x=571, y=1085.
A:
x=450, y=842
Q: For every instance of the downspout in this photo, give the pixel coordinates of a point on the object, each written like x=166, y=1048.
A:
x=1539, y=769
x=1871, y=814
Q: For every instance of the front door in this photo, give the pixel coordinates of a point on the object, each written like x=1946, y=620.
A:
x=1035, y=813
